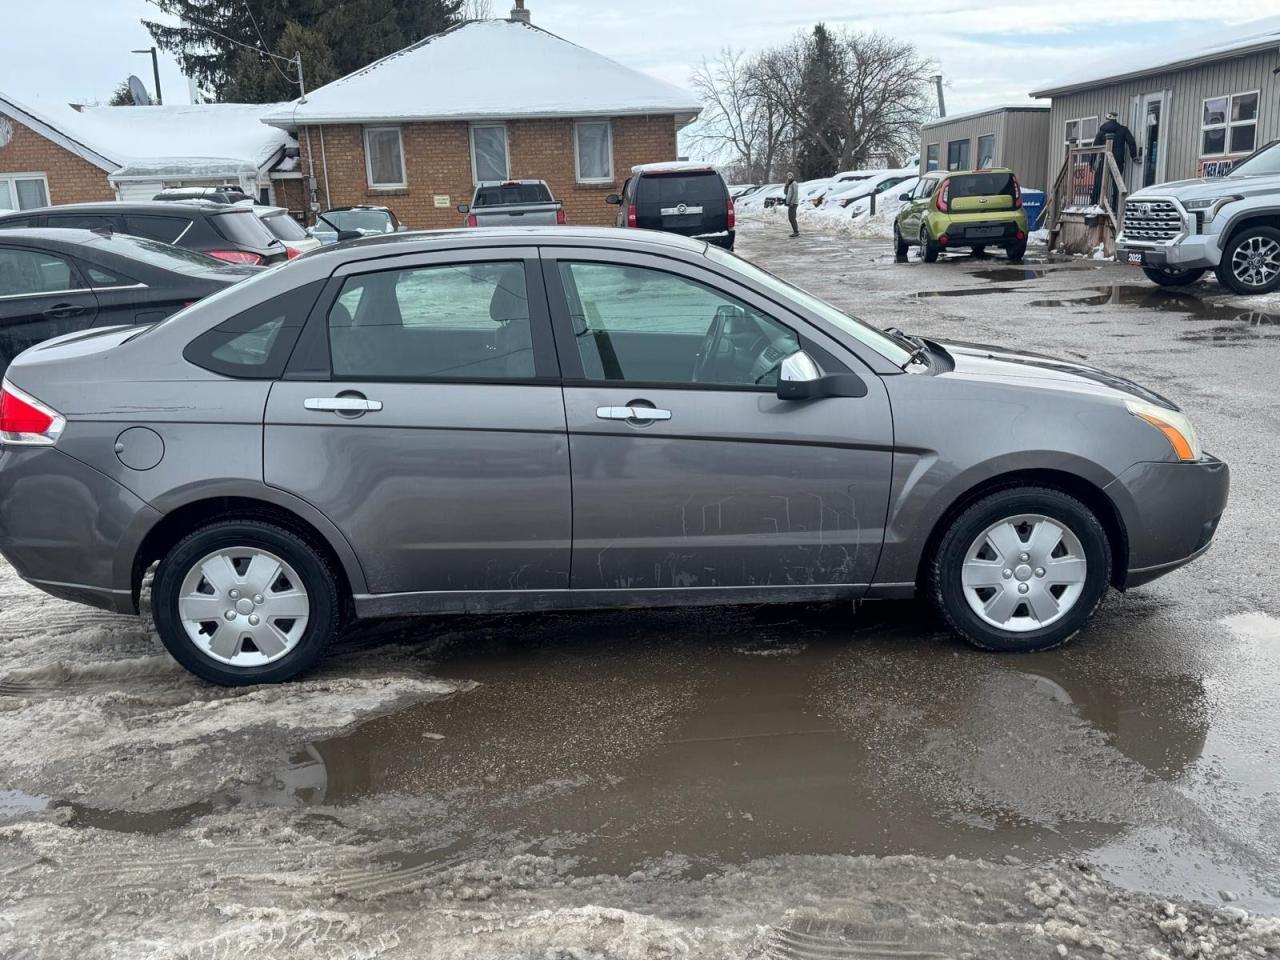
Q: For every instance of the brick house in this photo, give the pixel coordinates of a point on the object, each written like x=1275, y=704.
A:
x=486, y=100
x=59, y=153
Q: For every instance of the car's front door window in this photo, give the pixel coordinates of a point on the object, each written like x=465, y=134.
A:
x=642, y=325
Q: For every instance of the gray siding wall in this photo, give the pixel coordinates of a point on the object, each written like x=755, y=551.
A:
x=1182, y=112
x=1021, y=141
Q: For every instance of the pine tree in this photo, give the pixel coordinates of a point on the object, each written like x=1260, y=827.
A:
x=121, y=96
x=821, y=92
x=216, y=40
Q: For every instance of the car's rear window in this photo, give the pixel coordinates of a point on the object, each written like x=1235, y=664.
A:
x=164, y=255
x=507, y=193
x=691, y=188
x=284, y=227
x=982, y=185
x=370, y=221
x=243, y=227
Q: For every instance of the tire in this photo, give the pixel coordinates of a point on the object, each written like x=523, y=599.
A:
x=288, y=648
x=1016, y=251
x=1251, y=255
x=900, y=246
x=1082, y=539
x=1172, y=278
x=928, y=249
x=978, y=250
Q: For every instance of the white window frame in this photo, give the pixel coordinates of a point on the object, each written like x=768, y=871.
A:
x=13, y=178
x=978, y=149
x=1081, y=141
x=506, y=149
x=1229, y=124
x=937, y=156
x=368, y=160
x=577, y=153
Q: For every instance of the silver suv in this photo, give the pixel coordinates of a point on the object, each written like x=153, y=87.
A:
x=539, y=418
x=1177, y=231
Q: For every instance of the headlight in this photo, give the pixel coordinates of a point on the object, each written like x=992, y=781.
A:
x=1175, y=426
x=1210, y=206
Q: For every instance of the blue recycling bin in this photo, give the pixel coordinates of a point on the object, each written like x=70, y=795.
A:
x=1033, y=201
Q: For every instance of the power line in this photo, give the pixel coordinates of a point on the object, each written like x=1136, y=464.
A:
x=263, y=41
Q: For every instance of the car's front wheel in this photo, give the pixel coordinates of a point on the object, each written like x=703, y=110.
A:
x=1172, y=278
x=1251, y=262
x=1022, y=569
x=899, y=245
x=244, y=601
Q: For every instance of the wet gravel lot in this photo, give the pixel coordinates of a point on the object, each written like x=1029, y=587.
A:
x=772, y=781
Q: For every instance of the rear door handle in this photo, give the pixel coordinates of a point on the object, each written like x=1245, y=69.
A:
x=342, y=404
x=60, y=311
x=632, y=413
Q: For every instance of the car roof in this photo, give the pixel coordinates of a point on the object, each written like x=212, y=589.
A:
x=66, y=236
x=356, y=206
x=965, y=173
x=140, y=206
x=504, y=183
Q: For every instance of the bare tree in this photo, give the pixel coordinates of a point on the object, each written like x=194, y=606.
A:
x=740, y=124
x=476, y=9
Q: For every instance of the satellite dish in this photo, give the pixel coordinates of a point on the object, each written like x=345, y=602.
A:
x=138, y=91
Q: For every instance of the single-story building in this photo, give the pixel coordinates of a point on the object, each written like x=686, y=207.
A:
x=1193, y=112
x=1014, y=136
x=486, y=100
x=60, y=153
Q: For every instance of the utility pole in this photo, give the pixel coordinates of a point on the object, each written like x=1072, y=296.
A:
x=155, y=71
x=942, y=104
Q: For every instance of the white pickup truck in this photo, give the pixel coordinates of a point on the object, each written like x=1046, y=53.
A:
x=506, y=203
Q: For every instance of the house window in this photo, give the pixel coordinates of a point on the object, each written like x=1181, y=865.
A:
x=23, y=191
x=1080, y=132
x=958, y=155
x=931, y=157
x=593, y=144
x=489, y=160
x=1229, y=125
x=987, y=151
x=384, y=157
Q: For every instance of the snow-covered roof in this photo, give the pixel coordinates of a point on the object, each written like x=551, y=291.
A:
x=487, y=69
x=984, y=111
x=672, y=166
x=1252, y=37
x=207, y=139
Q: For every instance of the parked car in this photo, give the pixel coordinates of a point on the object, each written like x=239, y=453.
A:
x=888, y=198
x=953, y=209
x=526, y=203
x=689, y=199
x=212, y=194
x=567, y=417
x=54, y=282
x=287, y=230
x=739, y=190
x=352, y=223
x=845, y=194
x=770, y=195
x=225, y=232
x=1177, y=231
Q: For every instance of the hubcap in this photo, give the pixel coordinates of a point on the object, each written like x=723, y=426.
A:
x=1256, y=261
x=1024, y=573
x=243, y=606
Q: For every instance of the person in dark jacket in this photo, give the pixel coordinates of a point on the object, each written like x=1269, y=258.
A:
x=792, y=199
x=1117, y=138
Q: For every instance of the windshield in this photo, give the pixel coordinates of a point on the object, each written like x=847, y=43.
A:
x=367, y=221
x=1264, y=163
x=164, y=255
x=882, y=343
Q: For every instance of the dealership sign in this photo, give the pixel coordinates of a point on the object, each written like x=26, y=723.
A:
x=1218, y=167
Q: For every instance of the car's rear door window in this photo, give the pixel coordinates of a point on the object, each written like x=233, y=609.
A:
x=34, y=272
x=465, y=321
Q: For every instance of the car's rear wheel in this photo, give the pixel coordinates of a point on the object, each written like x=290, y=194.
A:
x=928, y=249
x=1251, y=262
x=1021, y=569
x=243, y=601
x=1172, y=278
x=1016, y=251
x=899, y=245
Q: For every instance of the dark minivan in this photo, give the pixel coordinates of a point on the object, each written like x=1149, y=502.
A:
x=228, y=233
x=690, y=199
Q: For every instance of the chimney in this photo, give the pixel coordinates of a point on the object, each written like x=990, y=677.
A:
x=519, y=13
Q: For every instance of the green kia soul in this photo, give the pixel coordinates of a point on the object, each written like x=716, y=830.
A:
x=970, y=208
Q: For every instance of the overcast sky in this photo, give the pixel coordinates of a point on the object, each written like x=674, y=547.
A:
x=990, y=51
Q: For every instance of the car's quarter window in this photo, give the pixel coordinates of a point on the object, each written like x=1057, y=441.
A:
x=255, y=344
x=463, y=321
x=34, y=272
x=644, y=325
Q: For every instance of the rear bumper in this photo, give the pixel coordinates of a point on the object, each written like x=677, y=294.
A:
x=961, y=233
x=1171, y=513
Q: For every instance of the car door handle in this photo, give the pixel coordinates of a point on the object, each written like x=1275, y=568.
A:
x=342, y=404
x=632, y=413
x=60, y=311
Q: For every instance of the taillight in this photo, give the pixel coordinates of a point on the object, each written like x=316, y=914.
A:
x=733, y=214
x=632, y=219
x=24, y=420
x=291, y=252
x=237, y=256
x=944, y=195
x=1017, y=194
x=472, y=220
x=561, y=218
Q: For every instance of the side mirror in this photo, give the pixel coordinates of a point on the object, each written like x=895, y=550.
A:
x=349, y=235
x=904, y=197
x=464, y=208
x=799, y=378
x=311, y=231
x=613, y=199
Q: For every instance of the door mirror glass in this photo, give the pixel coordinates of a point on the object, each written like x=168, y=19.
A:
x=904, y=197
x=464, y=208
x=614, y=199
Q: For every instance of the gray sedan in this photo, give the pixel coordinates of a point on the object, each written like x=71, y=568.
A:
x=522, y=419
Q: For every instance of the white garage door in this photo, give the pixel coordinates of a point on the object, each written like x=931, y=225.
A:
x=140, y=189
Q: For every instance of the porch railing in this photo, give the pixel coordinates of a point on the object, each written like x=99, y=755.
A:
x=1089, y=184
